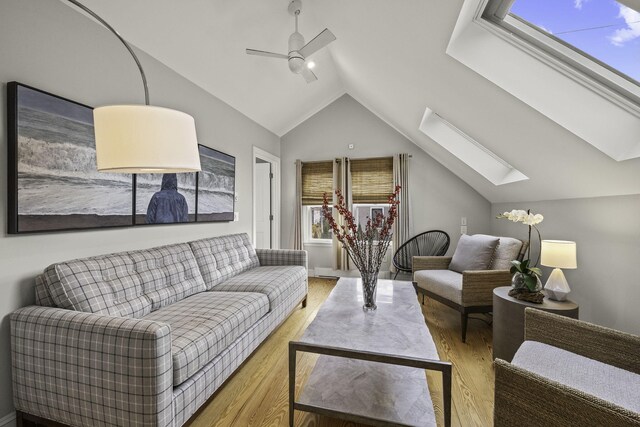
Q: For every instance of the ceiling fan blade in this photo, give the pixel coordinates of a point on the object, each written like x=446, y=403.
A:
x=308, y=75
x=268, y=54
x=320, y=41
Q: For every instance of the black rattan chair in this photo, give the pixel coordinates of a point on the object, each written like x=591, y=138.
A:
x=429, y=243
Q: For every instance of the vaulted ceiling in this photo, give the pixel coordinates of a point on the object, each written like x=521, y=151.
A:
x=391, y=57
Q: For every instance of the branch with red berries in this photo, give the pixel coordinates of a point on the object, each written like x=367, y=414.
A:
x=366, y=247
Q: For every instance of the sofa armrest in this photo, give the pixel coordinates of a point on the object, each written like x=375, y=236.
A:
x=430, y=263
x=82, y=368
x=282, y=257
x=524, y=398
x=478, y=285
x=586, y=339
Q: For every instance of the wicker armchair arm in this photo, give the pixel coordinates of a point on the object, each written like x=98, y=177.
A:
x=596, y=342
x=478, y=285
x=430, y=263
x=524, y=398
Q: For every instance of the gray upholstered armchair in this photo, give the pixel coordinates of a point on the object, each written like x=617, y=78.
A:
x=465, y=282
x=569, y=373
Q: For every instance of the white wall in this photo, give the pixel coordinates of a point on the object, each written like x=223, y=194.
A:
x=607, y=233
x=439, y=198
x=47, y=45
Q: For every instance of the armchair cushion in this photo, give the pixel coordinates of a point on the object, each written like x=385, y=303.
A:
x=445, y=283
x=507, y=250
x=473, y=253
x=589, y=376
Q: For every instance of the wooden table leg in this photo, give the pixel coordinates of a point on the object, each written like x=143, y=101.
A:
x=446, y=391
x=292, y=381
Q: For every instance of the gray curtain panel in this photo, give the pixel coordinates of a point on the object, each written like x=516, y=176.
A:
x=402, y=228
x=297, y=216
x=342, y=182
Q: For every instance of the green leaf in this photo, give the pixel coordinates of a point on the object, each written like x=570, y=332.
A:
x=513, y=270
x=536, y=271
x=524, y=264
x=531, y=282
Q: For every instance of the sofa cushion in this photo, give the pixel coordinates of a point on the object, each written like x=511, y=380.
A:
x=127, y=284
x=590, y=376
x=473, y=252
x=445, y=283
x=221, y=258
x=276, y=282
x=203, y=325
x=43, y=297
x=508, y=249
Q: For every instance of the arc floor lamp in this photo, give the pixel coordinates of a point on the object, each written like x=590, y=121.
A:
x=142, y=138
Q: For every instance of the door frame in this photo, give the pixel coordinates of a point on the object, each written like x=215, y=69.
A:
x=259, y=153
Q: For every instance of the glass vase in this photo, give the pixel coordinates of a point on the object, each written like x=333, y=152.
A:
x=517, y=282
x=369, y=290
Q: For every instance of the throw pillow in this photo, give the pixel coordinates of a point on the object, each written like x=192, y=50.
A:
x=508, y=249
x=473, y=253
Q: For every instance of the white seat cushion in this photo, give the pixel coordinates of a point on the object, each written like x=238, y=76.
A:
x=598, y=379
x=445, y=283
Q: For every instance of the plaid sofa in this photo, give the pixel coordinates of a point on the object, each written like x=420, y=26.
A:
x=144, y=338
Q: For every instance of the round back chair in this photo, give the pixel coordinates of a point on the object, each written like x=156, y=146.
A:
x=429, y=243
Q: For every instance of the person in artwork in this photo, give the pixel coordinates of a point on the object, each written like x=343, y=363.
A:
x=167, y=205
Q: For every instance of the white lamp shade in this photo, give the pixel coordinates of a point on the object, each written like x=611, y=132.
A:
x=145, y=139
x=559, y=254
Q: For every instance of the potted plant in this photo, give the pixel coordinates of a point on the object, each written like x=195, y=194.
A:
x=526, y=276
x=366, y=246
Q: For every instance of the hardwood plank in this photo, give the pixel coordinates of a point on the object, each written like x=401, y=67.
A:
x=258, y=394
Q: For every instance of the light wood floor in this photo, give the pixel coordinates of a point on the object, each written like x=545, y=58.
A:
x=258, y=393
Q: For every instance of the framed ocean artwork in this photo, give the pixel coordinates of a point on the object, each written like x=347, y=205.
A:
x=216, y=186
x=53, y=180
x=54, y=185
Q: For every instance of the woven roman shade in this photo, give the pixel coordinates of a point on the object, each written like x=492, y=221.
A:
x=317, y=179
x=371, y=180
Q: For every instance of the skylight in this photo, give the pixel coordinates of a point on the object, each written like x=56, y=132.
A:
x=475, y=155
x=604, y=30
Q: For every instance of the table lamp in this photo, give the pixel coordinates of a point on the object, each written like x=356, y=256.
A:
x=558, y=254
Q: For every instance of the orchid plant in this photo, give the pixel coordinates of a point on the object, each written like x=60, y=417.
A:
x=530, y=273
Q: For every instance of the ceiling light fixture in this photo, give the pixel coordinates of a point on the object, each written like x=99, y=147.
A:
x=311, y=65
x=142, y=138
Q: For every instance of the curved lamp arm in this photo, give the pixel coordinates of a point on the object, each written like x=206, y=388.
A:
x=124, y=42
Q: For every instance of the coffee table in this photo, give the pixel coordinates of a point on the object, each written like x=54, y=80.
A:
x=371, y=365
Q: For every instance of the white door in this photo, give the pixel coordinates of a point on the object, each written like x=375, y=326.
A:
x=262, y=187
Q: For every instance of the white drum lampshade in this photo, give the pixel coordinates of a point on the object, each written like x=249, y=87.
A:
x=558, y=254
x=145, y=139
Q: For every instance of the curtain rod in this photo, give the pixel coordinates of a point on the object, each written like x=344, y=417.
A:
x=351, y=158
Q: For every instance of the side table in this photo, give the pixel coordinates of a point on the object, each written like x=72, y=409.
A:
x=508, y=320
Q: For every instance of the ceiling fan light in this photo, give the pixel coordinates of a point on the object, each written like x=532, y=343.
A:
x=311, y=65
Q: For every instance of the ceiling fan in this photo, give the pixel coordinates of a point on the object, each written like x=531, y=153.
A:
x=298, y=51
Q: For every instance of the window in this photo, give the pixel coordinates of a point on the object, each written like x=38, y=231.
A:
x=317, y=179
x=316, y=227
x=600, y=38
x=363, y=212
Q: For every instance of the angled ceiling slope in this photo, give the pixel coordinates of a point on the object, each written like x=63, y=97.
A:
x=391, y=57
x=205, y=42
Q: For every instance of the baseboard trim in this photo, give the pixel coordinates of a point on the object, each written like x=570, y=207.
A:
x=8, y=420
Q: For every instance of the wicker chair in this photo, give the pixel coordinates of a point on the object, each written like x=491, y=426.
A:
x=536, y=389
x=429, y=243
x=469, y=292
